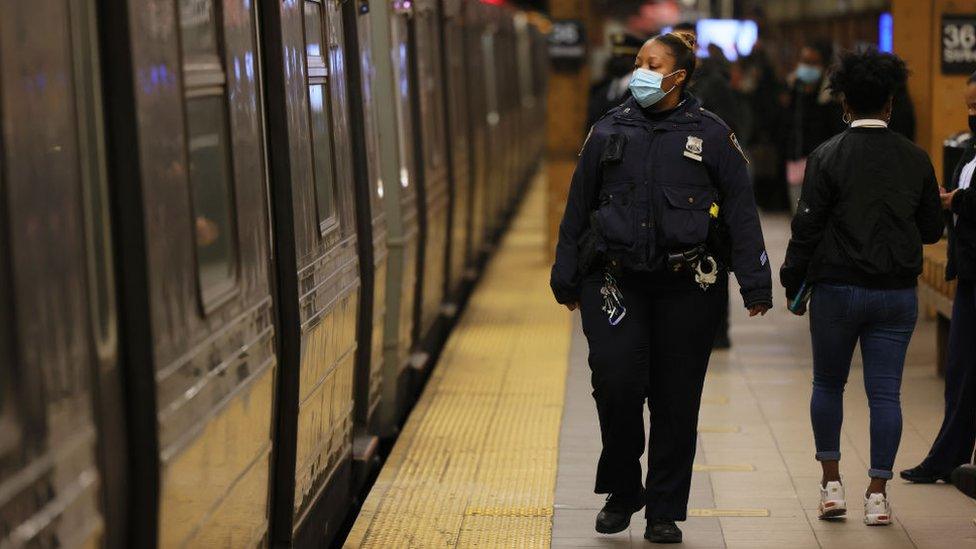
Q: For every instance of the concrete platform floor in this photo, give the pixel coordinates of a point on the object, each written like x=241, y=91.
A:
x=755, y=420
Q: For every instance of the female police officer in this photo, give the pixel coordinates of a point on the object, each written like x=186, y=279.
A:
x=659, y=206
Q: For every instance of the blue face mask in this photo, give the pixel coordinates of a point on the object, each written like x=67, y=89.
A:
x=808, y=74
x=645, y=85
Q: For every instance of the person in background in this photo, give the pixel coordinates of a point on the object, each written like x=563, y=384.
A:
x=814, y=114
x=614, y=89
x=954, y=444
x=713, y=87
x=760, y=90
x=870, y=200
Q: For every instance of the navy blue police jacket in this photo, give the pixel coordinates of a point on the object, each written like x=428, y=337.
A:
x=649, y=185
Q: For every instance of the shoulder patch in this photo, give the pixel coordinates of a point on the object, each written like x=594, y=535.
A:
x=738, y=147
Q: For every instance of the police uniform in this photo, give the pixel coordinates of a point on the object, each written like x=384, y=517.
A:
x=648, y=186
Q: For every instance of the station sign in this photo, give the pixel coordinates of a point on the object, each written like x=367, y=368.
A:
x=958, y=44
x=567, y=44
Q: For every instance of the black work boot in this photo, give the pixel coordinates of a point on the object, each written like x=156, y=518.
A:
x=662, y=531
x=615, y=515
x=923, y=475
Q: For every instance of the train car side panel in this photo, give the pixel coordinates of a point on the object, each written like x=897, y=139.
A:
x=392, y=107
x=203, y=185
x=456, y=107
x=49, y=471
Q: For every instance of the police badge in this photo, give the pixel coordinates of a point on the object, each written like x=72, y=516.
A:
x=693, y=148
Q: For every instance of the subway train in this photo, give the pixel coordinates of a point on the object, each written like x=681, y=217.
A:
x=233, y=236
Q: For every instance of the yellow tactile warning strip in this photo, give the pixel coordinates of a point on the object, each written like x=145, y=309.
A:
x=476, y=462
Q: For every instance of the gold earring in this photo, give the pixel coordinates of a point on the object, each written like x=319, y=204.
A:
x=847, y=118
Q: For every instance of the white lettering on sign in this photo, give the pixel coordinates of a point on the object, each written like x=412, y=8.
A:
x=565, y=34
x=955, y=37
x=958, y=44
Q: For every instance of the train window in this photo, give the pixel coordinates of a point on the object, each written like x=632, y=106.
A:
x=197, y=27
x=313, y=29
x=88, y=97
x=433, y=91
x=208, y=152
x=212, y=198
x=488, y=51
x=400, y=74
x=320, y=121
x=322, y=153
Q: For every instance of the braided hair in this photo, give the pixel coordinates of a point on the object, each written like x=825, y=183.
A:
x=682, y=45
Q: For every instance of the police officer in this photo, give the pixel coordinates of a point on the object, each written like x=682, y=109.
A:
x=660, y=208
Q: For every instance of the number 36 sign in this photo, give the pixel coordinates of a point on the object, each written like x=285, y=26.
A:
x=958, y=44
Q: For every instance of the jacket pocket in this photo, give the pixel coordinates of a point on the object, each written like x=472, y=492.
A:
x=683, y=217
x=617, y=216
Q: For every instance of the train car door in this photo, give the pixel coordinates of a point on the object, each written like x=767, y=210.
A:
x=456, y=107
x=393, y=91
x=370, y=223
x=190, y=189
x=62, y=437
x=526, y=97
x=317, y=266
x=495, y=173
x=477, y=93
x=432, y=167
x=514, y=139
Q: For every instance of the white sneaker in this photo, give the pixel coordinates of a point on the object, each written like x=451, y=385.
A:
x=832, y=502
x=877, y=510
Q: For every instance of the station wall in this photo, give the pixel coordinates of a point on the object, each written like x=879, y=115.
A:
x=939, y=105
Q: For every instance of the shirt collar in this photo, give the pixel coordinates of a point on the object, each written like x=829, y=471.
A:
x=869, y=123
x=686, y=112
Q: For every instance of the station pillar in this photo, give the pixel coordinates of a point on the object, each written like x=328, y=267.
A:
x=566, y=117
x=940, y=109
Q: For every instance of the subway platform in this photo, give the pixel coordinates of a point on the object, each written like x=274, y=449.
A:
x=502, y=448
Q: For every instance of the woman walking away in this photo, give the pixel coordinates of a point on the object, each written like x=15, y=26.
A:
x=954, y=444
x=870, y=200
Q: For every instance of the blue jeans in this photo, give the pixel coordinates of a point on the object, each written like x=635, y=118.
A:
x=883, y=322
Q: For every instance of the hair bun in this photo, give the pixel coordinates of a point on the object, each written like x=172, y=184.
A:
x=686, y=37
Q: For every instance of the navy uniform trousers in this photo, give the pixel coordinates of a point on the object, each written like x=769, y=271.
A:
x=954, y=444
x=660, y=352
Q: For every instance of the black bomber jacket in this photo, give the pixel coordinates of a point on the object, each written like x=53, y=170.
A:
x=870, y=200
